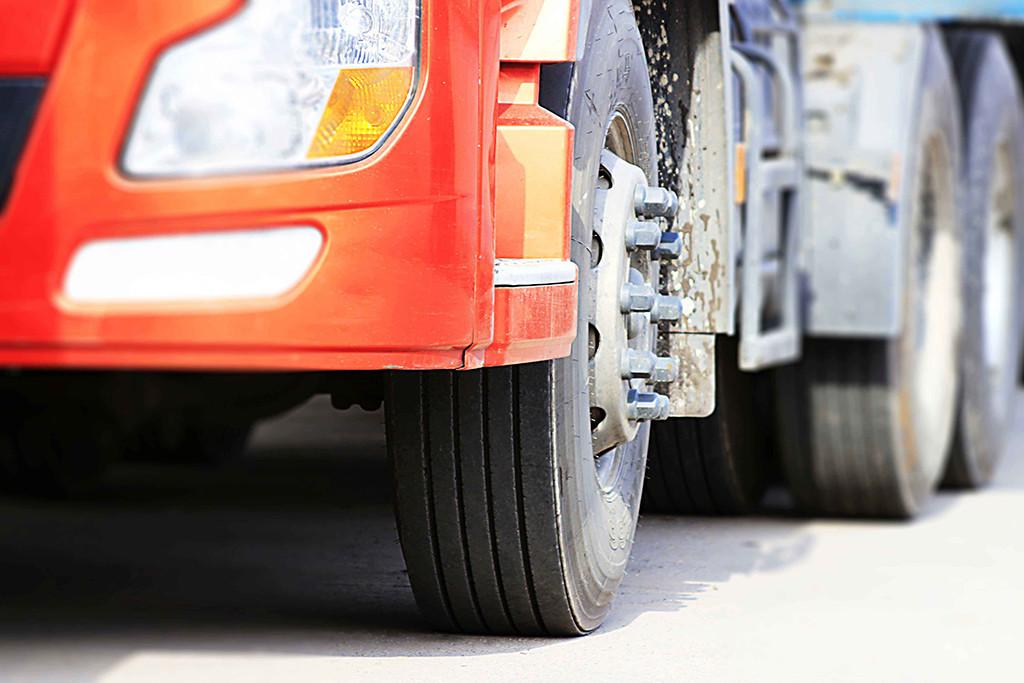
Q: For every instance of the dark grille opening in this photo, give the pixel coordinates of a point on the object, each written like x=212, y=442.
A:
x=19, y=98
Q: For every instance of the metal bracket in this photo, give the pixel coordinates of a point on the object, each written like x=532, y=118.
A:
x=770, y=331
x=862, y=88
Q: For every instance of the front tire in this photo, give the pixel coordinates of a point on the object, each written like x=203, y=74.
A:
x=506, y=524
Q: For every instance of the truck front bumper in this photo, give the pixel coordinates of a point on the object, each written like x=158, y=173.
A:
x=405, y=274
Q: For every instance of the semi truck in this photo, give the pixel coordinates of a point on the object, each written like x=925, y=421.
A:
x=591, y=256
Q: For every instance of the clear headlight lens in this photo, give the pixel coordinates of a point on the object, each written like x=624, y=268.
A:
x=282, y=84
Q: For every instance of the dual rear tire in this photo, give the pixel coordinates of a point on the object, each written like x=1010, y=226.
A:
x=871, y=427
x=865, y=425
x=994, y=222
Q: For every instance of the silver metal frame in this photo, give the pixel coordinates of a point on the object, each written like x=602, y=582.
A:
x=779, y=176
x=863, y=91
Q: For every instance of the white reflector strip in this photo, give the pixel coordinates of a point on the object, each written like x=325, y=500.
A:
x=243, y=264
x=512, y=272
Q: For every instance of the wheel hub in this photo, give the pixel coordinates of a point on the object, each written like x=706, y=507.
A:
x=629, y=240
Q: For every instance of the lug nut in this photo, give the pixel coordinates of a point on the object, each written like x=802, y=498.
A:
x=646, y=365
x=670, y=247
x=656, y=202
x=643, y=235
x=637, y=298
x=643, y=405
x=638, y=364
x=665, y=370
x=666, y=309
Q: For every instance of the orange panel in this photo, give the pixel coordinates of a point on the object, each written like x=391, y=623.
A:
x=741, y=173
x=519, y=83
x=534, y=183
x=539, y=30
x=30, y=33
x=532, y=323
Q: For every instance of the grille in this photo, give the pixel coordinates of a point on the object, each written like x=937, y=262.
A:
x=19, y=98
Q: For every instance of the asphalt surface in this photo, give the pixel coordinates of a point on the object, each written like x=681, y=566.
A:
x=285, y=566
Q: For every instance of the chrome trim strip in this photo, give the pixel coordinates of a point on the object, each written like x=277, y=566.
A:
x=533, y=272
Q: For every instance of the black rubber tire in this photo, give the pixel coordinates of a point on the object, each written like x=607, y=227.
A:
x=849, y=440
x=502, y=522
x=993, y=126
x=713, y=465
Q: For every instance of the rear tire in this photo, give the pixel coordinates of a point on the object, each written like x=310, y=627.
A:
x=713, y=465
x=994, y=148
x=505, y=523
x=865, y=425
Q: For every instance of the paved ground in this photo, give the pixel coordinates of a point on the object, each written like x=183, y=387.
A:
x=285, y=566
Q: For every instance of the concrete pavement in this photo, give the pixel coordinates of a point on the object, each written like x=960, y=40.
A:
x=285, y=566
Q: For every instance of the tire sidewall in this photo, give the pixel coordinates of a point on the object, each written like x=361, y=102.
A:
x=991, y=105
x=937, y=123
x=596, y=527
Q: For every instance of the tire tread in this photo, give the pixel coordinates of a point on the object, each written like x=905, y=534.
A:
x=836, y=420
x=472, y=545
x=709, y=466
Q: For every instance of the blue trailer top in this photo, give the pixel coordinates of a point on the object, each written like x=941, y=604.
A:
x=917, y=10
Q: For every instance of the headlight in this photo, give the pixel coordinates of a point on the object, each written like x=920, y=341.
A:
x=281, y=84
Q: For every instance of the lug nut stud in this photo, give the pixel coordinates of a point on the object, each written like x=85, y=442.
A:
x=643, y=235
x=667, y=309
x=646, y=365
x=656, y=202
x=665, y=370
x=638, y=298
x=638, y=364
x=642, y=406
x=670, y=246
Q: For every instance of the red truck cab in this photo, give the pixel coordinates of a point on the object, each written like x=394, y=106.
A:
x=392, y=253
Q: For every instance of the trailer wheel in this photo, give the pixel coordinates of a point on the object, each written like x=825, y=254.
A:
x=513, y=518
x=712, y=465
x=994, y=146
x=866, y=424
